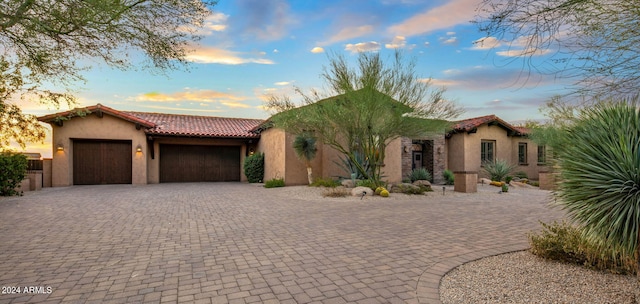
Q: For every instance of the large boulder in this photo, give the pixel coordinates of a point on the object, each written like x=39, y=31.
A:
x=404, y=188
x=357, y=191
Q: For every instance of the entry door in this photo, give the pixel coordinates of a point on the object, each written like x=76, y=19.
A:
x=417, y=160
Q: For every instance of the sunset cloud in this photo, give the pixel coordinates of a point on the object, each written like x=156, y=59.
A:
x=350, y=32
x=486, y=43
x=200, y=96
x=442, y=17
x=204, y=54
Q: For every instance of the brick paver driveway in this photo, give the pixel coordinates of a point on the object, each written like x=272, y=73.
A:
x=240, y=243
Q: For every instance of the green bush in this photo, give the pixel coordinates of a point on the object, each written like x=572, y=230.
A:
x=254, y=167
x=273, y=183
x=325, y=182
x=410, y=189
x=448, y=177
x=419, y=174
x=520, y=174
x=14, y=169
x=567, y=243
x=498, y=170
x=366, y=183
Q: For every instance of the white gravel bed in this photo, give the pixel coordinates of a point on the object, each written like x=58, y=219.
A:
x=522, y=277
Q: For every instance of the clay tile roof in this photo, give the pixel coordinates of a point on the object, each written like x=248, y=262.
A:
x=199, y=126
x=96, y=109
x=469, y=125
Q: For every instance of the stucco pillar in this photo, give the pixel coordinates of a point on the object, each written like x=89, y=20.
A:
x=465, y=181
x=547, y=180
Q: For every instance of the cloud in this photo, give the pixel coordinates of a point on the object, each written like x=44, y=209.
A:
x=450, y=33
x=282, y=83
x=449, y=41
x=363, y=47
x=204, y=54
x=486, y=43
x=216, y=22
x=491, y=78
x=398, y=42
x=317, y=50
x=452, y=13
x=351, y=32
x=262, y=19
x=201, y=96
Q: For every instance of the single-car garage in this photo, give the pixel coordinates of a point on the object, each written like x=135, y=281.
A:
x=101, y=162
x=199, y=163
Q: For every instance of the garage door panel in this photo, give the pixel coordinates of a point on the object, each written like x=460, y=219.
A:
x=197, y=163
x=101, y=162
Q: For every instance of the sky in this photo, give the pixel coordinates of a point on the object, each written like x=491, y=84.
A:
x=253, y=48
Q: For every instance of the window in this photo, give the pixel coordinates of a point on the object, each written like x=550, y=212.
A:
x=487, y=151
x=522, y=153
x=542, y=154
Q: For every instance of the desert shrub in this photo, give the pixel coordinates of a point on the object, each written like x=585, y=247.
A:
x=408, y=189
x=508, y=179
x=565, y=242
x=254, y=167
x=448, y=177
x=325, y=182
x=335, y=192
x=350, y=167
x=275, y=182
x=520, y=174
x=366, y=183
x=14, y=169
x=498, y=170
x=534, y=183
x=419, y=174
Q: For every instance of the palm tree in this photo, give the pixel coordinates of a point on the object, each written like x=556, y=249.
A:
x=305, y=147
x=600, y=174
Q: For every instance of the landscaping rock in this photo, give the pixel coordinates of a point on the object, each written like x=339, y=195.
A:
x=422, y=182
x=347, y=183
x=357, y=191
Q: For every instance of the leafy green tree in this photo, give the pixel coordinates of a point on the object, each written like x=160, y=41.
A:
x=48, y=44
x=305, y=146
x=600, y=173
x=592, y=42
x=372, y=104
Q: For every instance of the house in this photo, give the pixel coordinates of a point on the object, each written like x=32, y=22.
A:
x=108, y=146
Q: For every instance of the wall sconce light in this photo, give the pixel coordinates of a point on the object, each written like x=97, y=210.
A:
x=406, y=149
x=139, y=149
x=439, y=150
x=60, y=147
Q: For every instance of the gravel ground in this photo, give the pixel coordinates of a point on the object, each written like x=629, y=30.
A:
x=522, y=277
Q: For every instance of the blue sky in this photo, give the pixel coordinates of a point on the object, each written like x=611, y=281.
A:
x=252, y=48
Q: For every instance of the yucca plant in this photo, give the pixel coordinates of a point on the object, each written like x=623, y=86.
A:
x=305, y=147
x=498, y=170
x=600, y=174
x=419, y=174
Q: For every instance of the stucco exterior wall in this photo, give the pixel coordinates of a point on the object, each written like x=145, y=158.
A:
x=272, y=144
x=464, y=150
x=392, y=170
x=94, y=127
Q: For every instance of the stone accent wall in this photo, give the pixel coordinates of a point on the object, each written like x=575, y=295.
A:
x=439, y=158
x=407, y=156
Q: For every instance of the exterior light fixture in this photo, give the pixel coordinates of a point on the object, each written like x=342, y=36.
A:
x=139, y=149
x=60, y=147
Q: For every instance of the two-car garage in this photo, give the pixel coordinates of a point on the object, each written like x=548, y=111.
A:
x=110, y=162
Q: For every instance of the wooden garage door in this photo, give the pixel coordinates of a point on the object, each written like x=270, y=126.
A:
x=186, y=163
x=101, y=162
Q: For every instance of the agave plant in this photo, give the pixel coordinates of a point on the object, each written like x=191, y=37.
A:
x=600, y=173
x=498, y=170
x=305, y=147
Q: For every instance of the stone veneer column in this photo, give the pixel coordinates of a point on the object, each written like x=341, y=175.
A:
x=465, y=181
x=439, y=158
x=407, y=156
